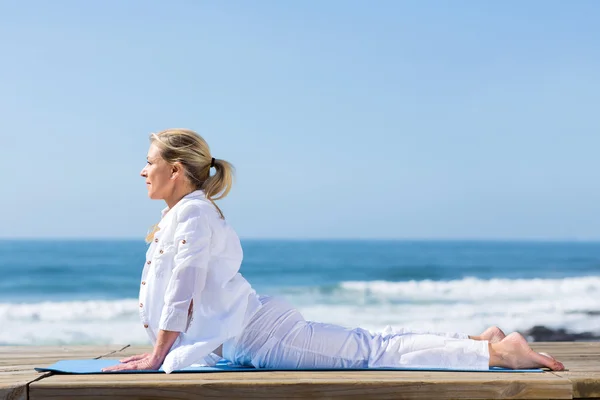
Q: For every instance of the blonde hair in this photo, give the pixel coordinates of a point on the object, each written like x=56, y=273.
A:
x=191, y=150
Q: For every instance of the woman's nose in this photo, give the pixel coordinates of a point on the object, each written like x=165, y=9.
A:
x=143, y=172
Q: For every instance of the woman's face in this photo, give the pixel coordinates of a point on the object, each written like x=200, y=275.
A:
x=158, y=174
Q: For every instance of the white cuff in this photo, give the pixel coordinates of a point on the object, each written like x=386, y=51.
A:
x=172, y=319
x=181, y=358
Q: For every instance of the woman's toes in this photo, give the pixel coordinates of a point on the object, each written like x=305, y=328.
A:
x=545, y=361
x=557, y=366
x=547, y=355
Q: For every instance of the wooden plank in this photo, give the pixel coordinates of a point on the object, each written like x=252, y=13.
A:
x=13, y=385
x=585, y=384
x=269, y=385
x=27, y=357
x=582, y=359
x=263, y=385
x=17, y=363
x=581, y=381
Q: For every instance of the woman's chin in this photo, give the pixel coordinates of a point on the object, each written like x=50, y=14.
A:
x=154, y=194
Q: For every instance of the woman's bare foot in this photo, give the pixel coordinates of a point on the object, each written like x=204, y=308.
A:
x=493, y=334
x=514, y=352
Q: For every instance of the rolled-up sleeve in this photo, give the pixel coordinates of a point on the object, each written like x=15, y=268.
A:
x=192, y=241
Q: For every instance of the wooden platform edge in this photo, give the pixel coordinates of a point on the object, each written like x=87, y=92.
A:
x=20, y=390
x=583, y=386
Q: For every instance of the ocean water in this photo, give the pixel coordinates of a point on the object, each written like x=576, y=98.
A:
x=84, y=292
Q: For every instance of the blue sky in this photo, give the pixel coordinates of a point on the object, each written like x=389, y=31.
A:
x=345, y=119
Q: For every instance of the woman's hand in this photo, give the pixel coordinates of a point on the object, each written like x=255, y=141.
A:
x=148, y=361
x=145, y=361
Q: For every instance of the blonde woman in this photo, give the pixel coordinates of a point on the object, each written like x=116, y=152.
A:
x=197, y=308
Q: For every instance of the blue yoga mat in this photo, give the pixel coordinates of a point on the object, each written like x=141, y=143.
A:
x=95, y=367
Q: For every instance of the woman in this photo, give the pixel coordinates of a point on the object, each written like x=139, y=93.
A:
x=197, y=308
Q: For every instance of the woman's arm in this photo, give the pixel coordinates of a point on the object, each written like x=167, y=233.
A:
x=164, y=342
x=192, y=236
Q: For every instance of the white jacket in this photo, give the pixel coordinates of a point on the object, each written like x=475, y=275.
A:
x=195, y=255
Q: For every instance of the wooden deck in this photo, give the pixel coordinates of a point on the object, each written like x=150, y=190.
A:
x=18, y=380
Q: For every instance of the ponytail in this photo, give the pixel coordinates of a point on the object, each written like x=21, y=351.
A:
x=218, y=185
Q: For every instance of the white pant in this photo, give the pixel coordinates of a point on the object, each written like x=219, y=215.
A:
x=277, y=336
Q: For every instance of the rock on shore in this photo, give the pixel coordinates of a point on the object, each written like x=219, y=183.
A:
x=541, y=333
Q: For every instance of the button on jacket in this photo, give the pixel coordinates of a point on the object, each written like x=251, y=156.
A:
x=195, y=255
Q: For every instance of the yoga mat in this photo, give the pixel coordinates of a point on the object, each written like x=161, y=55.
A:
x=94, y=366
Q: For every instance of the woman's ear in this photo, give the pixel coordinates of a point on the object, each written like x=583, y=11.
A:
x=176, y=170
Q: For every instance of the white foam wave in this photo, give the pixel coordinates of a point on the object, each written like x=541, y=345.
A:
x=75, y=322
x=477, y=290
x=467, y=305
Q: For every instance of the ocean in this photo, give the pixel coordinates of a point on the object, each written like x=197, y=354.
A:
x=85, y=292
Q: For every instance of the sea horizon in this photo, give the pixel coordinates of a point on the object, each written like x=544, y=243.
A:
x=326, y=239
